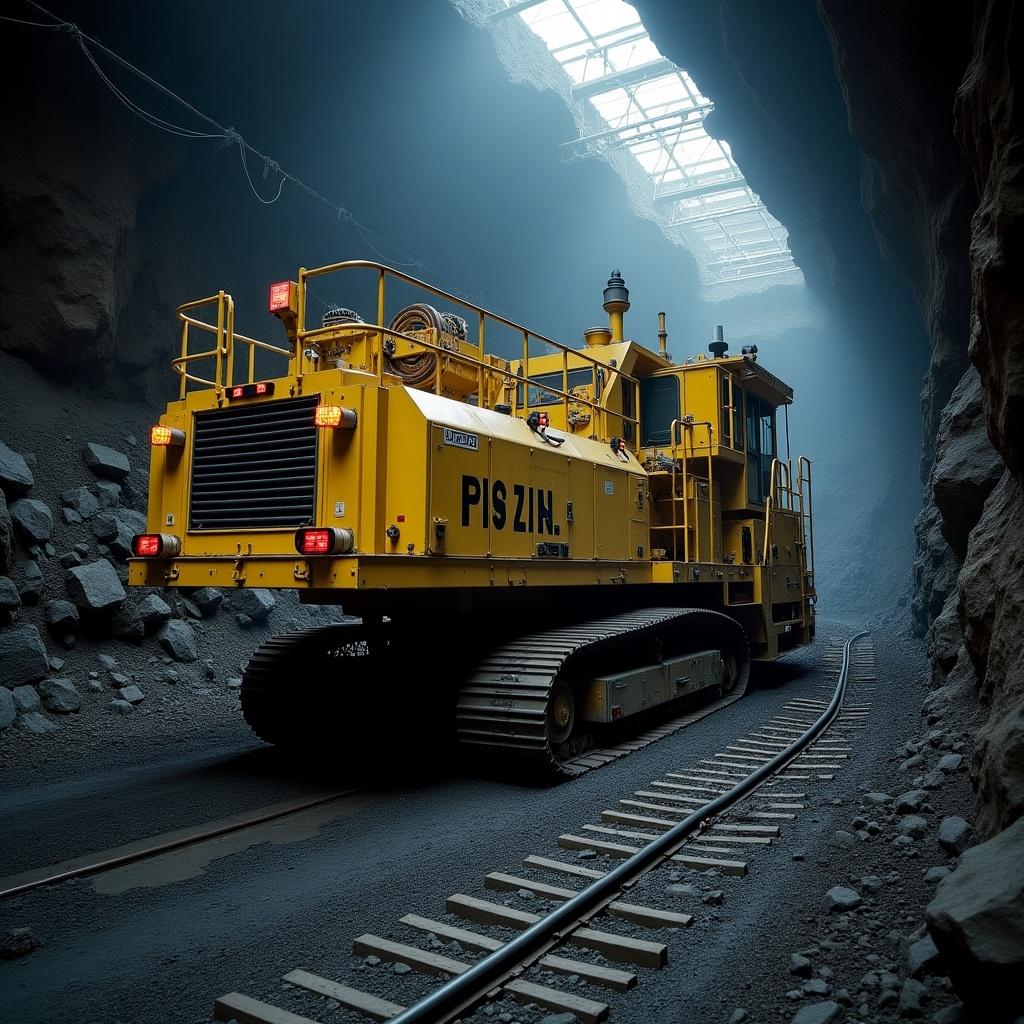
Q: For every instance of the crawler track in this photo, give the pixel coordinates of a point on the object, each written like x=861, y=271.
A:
x=710, y=814
x=503, y=707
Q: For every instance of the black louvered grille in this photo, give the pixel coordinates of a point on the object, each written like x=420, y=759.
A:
x=254, y=466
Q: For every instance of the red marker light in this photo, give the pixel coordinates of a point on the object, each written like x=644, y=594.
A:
x=238, y=392
x=280, y=296
x=316, y=542
x=156, y=545
x=261, y=389
x=329, y=541
x=147, y=546
x=543, y=419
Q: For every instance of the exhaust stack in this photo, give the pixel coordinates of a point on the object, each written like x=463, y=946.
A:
x=663, y=338
x=616, y=302
x=719, y=346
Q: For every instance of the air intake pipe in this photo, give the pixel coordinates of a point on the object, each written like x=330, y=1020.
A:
x=719, y=346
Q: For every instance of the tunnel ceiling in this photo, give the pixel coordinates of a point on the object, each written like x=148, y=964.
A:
x=629, y=99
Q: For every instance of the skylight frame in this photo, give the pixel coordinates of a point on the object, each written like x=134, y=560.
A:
x=659, y=119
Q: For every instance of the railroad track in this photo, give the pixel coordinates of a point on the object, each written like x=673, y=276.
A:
x=708, y=816
x=168, y=842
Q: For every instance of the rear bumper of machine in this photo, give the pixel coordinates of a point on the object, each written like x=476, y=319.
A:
x=378, y=572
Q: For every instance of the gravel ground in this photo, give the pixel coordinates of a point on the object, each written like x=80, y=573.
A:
x=164, y=950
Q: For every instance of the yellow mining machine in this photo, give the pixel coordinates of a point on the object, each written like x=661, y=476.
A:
x=558, y=538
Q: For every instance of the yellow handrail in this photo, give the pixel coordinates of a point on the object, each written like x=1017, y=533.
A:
x=675, y=429
x=806, y=516
x=787, y=496
x=479, y=361
x=223, y=351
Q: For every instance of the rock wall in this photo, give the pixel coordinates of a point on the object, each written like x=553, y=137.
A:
x=990, y=128
x=932, y=102
x=69, y=207
x=932, y=158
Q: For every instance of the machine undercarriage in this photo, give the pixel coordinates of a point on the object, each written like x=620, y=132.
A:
x=538, y=701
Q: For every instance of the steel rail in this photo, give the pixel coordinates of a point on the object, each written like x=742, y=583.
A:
x=107, y=863
x=463, y=991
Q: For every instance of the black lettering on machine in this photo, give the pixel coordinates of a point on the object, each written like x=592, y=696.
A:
x=494, y=503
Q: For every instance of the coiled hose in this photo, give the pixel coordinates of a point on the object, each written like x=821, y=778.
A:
x=419, y=368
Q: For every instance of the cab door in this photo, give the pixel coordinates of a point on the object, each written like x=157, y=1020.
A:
x=760, y=447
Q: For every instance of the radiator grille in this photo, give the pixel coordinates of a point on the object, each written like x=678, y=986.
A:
x=254, y=466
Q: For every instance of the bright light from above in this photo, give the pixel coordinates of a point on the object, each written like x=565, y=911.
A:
x=654, y=110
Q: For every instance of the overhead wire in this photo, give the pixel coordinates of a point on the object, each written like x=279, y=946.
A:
x=229, y=136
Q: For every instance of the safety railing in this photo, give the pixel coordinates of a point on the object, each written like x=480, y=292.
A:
x=602, y=376
x=223, y=352
x=784, y=497
x=679, y=453
x=806, y=513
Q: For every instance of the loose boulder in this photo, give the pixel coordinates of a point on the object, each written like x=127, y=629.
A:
x=911, y=802
x=977, y=922
x=94, y=587
x=81, y=501
x=22, y=657
x=9, y=598
x=955, y=835
x=36, y=723
x=178, y=639
x=913, y=825
x=32, y=519
x=60, y=695
x=255, y=604
x=26, y=698
x=126, y=623
x=15, y=476
x=841, y=898
x=923, y=957
x=155, y=611
x=207, y=600
x=31, y=587
x=61, y=616
x=108, y=493
x=106, y=462
x=117, y=530
x=819, y=1013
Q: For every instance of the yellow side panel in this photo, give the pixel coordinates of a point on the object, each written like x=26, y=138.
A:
x=612, y=501
x=512, y=513
x=550, y=495
x=459, y=495
x=408, y=455
x=342, y=454
x=581, y=493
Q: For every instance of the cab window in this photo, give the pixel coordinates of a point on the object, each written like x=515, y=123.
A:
x=659, y=406
x=760, y=448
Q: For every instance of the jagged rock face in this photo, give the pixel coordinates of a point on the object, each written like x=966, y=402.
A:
x=932, y=103
x=967, y=467
x=991, y=584
x=68, y=211
x=989, y=127
x=991, y=607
